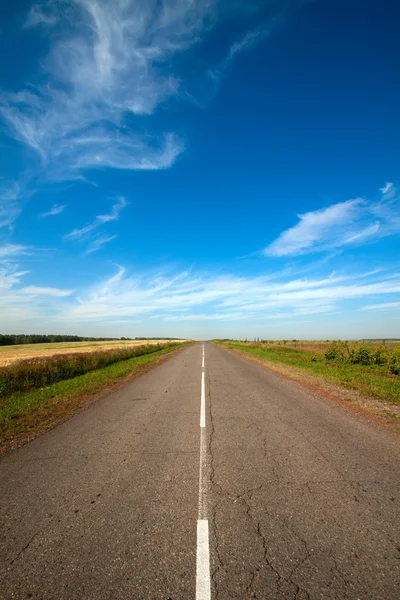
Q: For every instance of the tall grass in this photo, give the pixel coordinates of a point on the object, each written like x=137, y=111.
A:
x=26, y=375
x=365, y=368
x=366, y=355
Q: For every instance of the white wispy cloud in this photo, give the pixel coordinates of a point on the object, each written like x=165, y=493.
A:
x=220, y=297
x=383, y=306
x=100, y=242
x=109, y=67
x=245, y=43
x=8, y=251
x=351, y=222
x=314, y=228
x=56, y=209
x=34, y=290
x=9, y=278
x=10, y=272
x=388, y=191
x=24, y=306
x=109, y=64
x=190, y=296
x=264, y=18
x=10, y=209
x=360, y=235
x=107, y=61
x=41, y=15
x=82, y=233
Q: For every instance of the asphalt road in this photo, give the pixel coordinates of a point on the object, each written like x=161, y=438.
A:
x=299, y=496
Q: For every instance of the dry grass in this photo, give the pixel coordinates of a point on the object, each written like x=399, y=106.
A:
x=306, y=360
x=24, y=416
x=320, y=347
x=11, y=354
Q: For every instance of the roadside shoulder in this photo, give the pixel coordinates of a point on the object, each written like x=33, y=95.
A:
x=377, y=411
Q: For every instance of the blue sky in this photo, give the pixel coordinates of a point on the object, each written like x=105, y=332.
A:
x=205, y=168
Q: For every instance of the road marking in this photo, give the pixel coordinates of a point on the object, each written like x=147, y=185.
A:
x=203, y=588
x=203, y=402
x=202, y=514
x=203, y=581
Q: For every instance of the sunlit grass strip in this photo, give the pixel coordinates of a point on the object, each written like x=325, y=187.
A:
x=13, y=353
x=26, y=375
x=371, y=380
x=36, y=411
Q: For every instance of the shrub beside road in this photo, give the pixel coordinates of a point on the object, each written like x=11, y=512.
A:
x=369, y=368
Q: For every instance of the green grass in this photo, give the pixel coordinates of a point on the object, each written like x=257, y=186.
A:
x=372, y=380
x=38, y=410
x=26, y=375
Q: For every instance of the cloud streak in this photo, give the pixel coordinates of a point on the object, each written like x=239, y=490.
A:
x=22, y=306
x=190, y=296
x=352, y=222
x=40, y=15
x=56, y=209
x=383, y=306
x=10, y=210
x=100, y=242
x=107, y=67
x=100, y=220
x=34, y=290
x=220, y=297
x=8, y=251
x=110, y=65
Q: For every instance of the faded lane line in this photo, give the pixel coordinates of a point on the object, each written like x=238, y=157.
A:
x=203, y=582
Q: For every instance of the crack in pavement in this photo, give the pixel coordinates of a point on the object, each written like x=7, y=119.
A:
x=280, y=578
x=32, y=539
x=245, y=498
x=220, y=492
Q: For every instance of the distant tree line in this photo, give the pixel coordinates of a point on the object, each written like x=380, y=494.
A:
x=12, y=339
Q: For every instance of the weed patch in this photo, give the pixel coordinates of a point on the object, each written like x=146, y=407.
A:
x=371, y=371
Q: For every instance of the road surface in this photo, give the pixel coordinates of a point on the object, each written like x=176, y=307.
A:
x=220, y=482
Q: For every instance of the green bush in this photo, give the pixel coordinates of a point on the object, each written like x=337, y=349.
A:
x=364, y=355
x=334, y=352
x=394, y=363
x=381, y=356
x=361, y=356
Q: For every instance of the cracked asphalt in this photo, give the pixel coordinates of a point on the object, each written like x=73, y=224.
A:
x=302, y=496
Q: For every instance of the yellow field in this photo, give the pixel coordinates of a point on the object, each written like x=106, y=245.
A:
x=9, y=354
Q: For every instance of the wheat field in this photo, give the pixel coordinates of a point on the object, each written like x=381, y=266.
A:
x=10, y=354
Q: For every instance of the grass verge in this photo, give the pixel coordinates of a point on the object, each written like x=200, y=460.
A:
x=23, y=416
x=371, y=381
x=11, y=354
x=26, y=375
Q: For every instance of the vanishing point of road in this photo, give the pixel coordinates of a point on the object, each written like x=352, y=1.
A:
x=209, y=477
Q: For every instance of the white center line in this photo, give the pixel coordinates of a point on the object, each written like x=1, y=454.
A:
x=203, y=590
x=203, y=582
x=203, y=402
